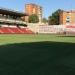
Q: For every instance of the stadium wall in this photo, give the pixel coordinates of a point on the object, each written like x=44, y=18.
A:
x=57, y=29
x=34, y=27
x=51, y=29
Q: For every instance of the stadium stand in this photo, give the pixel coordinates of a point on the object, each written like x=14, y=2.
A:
x=12, y=23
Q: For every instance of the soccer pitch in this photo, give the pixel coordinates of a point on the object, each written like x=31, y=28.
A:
x=37, y=54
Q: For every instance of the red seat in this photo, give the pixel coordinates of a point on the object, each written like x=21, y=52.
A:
x=5, y=30
x=16, y=31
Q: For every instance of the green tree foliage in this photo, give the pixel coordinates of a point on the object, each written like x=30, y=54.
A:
x=44, y=20
x=54, y=18
x=33, y=18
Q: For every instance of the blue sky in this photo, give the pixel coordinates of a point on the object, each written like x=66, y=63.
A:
x=49, y=6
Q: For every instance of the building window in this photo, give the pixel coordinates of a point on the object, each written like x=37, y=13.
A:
x=67, y=21
x=68, y=18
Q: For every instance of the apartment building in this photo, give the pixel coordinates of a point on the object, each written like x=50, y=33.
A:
x=67, y=18
x=33, y=9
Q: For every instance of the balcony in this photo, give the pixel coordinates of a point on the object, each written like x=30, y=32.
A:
x=68, y=19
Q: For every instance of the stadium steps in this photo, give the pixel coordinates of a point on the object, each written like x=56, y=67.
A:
x=11, y=31
x=15, y=30
x=25, y=31
x=31, y=32
x=1, y=31
x=20, y=31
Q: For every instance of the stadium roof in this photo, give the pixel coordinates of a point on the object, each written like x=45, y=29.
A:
x=12, y=12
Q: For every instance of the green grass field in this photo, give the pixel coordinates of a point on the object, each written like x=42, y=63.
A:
x=37, y=54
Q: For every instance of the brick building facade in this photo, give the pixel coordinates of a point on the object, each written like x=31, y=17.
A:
x=67, y=18
x=33, y=9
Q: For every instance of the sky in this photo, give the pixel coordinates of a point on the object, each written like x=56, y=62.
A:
x=49, y=6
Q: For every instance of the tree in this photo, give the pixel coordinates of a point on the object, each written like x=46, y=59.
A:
x=33, y=18
x=44, y=20
x=54, y=18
